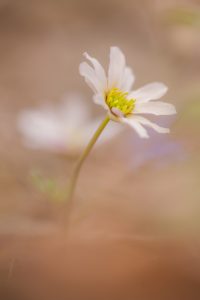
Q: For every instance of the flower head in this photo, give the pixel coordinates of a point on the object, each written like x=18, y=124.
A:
x=114, y=92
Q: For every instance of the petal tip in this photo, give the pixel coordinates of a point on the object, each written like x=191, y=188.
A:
x=162, y=84
x=116, y=49
x=85, y=54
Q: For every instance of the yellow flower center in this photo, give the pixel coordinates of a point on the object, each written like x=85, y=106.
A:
x=117, y=99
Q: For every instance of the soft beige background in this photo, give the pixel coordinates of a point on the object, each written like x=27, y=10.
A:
x=134, y=234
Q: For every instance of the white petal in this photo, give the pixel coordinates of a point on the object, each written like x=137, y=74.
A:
x=91, y=85
x=141, y=131
x=99, y=70
x=155, y=107
x=127, y=80
x=151, y=91
x=116, y=67
x=116, y=112
x=90, y=77
x=150, y=124
x=99, y=99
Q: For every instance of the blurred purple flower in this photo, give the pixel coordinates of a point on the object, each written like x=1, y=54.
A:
x=159, y=149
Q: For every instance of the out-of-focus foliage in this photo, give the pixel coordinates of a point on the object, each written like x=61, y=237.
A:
x=183, y=16
x=190, y=114
x=49, y=187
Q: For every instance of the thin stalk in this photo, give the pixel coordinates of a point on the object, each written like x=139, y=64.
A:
x=75, y=174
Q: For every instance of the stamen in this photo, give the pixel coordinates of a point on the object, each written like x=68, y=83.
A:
x=115, y=98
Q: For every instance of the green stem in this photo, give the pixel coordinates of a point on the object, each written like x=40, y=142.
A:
x=74, y=177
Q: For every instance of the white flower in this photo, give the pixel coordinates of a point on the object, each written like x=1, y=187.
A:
x=64, y=128
x=113, y=92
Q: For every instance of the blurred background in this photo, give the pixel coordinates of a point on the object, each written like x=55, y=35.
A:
x=133, y=229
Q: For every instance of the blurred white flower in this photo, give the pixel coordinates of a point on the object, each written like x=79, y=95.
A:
x=61, y=128
x=113, y=92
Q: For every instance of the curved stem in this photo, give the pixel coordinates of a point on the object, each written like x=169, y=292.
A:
x=74, y=177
